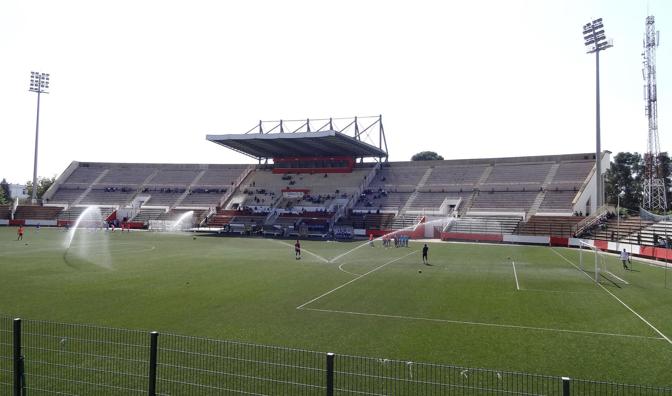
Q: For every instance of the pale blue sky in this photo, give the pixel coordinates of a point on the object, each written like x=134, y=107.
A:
x=145, y=81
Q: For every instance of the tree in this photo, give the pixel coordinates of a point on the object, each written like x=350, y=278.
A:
x=4, y=200
x=4, y=193
x=426, y=156
x=665, y=168
x=43, y=184
x=624, y=176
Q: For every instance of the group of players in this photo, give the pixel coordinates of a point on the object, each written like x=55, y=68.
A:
x=398, y=241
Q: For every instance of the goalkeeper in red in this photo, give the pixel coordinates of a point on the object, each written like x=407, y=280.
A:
x=625, y=257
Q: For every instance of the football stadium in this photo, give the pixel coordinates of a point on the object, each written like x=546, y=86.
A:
x=325, y=268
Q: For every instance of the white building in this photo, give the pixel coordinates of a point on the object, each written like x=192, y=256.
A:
x=18, y=191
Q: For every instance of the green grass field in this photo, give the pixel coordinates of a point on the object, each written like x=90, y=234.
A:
x=468, y=308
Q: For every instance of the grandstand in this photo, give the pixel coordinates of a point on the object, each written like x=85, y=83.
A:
x=278, y=201
x=314, y=178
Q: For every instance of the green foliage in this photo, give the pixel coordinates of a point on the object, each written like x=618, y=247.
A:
x=625, y=176
x=43, y=184
x=426, y=156
x=4, y=193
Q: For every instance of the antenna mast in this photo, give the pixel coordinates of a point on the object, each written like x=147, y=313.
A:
x=654, y=185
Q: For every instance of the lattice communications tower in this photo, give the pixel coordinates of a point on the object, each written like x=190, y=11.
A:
x=654, y=184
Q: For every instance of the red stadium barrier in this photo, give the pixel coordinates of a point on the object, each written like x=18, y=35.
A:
x=463, y=236
x=559, y=241
x=602, y=245
x=17, y=222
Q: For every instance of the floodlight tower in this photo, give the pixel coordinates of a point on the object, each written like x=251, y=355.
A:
x=39, y=83
x=596, y=41
x=654, y=184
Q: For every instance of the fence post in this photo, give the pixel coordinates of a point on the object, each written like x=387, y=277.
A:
x=565, y=386
x=17, y=357
x=330, y=374
x=153, y=349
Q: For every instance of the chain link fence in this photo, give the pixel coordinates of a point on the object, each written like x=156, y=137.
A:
x=6, y=360
x=47, y=358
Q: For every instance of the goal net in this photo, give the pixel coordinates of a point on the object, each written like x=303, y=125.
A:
x=601, y=266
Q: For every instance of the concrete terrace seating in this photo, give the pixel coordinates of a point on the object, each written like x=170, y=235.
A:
x=518, y=174
x=501, y=201
x=557, y=201
x=400, y=174
x=126, y=175
x=221, y=176
x=174, y=177
x=559, y=226
x=382, y=200
x=626, y=230
x=368, y=220
x=572, y=172
x=85, y=174
x=73, y=212
x=109, y=196
x=203, y=197
x=222, y=218
x=465, y=176
x=176, y=213
x=5, y=212
x=210, y=183
x=67, y=194
x=433, y=200
x=162, y=196
x=662, y=230
x=29, y=212
x=146, y=214
x=485, y=224
x=263, y=189
x=404, y=221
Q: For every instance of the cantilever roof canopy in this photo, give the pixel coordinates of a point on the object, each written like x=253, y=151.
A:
x=328, y=143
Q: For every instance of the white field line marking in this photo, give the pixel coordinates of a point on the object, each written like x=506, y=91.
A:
x=304, y=250
x=620, y=301
x=468, y=323
x=515, y=274
x=367, y=243
x=350, y=281
x=559, y=291
x=615, y=276
x=340, y=267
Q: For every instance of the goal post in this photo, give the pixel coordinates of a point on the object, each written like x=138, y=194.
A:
x=589, y=260
x=599, y=264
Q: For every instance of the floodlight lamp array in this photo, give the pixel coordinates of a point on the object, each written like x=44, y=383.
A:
x=594, y=36
x=39, y=82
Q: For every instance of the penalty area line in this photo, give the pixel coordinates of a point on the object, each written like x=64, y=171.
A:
x=468, y=323
x=620, y=301
x=515, y=275
x=353, y=280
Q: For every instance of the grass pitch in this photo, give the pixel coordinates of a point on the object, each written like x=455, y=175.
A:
x=504, y=307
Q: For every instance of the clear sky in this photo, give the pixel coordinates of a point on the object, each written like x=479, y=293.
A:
x=145, y=81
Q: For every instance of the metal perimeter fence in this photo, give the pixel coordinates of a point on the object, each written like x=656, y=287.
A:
x=47, y=358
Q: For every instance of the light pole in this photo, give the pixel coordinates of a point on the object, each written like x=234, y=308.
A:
x=596, y=41
x=39, y=82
